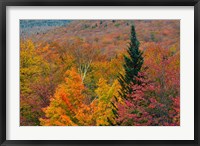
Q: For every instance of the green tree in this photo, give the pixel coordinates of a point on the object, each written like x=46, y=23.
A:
x=133, y=64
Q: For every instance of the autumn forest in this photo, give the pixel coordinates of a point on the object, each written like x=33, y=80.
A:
x=99, y=73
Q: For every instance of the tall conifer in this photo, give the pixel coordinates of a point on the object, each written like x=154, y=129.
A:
x=132, y=65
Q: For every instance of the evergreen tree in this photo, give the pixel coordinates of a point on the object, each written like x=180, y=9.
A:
x=133, y=64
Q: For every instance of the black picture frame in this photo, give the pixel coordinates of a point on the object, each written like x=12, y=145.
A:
x=5, y=3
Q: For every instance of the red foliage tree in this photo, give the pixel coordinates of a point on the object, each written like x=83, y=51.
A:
x=144, y=108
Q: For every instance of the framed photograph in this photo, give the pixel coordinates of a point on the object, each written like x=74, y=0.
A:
x=99, y=72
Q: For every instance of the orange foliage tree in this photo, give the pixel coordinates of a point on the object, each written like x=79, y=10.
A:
x=67, y=105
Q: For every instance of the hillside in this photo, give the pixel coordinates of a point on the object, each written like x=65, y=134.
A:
x=33, y=27
x=112, y=36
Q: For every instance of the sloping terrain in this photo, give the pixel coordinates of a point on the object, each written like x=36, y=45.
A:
x=110, y=35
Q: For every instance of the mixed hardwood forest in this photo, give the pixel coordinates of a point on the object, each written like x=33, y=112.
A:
x=100, y=73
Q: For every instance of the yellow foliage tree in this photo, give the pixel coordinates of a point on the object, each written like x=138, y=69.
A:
x=31, y=69
x=102, y=106
x=30, y=66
